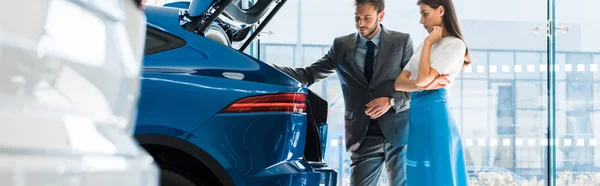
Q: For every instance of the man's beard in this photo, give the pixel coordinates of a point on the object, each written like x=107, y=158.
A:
x=374, y=28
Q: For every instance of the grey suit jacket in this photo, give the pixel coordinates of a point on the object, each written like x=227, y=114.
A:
x=395, y=52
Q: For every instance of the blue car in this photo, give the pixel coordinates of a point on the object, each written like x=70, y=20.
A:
x=210, y=114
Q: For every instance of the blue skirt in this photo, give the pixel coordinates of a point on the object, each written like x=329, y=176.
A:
x=435, y=152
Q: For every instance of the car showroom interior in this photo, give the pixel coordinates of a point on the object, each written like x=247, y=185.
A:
x=299, y=93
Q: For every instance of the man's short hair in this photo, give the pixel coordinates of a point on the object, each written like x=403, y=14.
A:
x=379, y=4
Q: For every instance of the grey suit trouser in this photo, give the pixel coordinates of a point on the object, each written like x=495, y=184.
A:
x=372, y=154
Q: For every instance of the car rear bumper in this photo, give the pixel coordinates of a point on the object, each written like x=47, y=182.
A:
x=328, y=176
x=298, y=173
x=262, y=149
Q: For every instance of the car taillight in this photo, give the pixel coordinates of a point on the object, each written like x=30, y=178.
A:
x=288, y=102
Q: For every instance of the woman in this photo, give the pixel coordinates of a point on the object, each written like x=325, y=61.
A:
x=435, y=154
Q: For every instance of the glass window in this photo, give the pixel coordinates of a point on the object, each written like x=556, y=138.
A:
x=528, y=94
x=529, y=65
x=313, y=53
x=455, y=94
x=282, y=55
x=501, y=64
x=530, y=123
x=582, y=62
x=475, y=94
x=153, y=42
x=561, y=93
x=579, y=96
x=561, y=66
x=595, y=67
x=580, y=116
x=158, y=41
x=530, y=158
x=596, y=100
x=592, y=142
x=476, y=121
x=477, y=69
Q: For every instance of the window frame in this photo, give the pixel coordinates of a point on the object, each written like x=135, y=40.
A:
x=171, y=41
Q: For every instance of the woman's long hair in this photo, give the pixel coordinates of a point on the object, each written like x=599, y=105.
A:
x=449, y=20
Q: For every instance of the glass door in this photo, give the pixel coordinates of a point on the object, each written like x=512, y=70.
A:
x=501, y=100
x=577, y=92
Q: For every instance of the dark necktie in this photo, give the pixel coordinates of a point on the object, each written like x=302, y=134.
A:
x=369, y=59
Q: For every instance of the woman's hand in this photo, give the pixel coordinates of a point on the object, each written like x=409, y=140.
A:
x=435, y=35
x=437, y=83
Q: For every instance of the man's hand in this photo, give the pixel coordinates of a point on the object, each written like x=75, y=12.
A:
x=378, y=107
x=439, y=82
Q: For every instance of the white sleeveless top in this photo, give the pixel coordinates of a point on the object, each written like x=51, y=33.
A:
x=447, y=57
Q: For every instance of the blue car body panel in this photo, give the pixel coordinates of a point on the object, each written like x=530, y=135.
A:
x=185, y=89
x=181, y=4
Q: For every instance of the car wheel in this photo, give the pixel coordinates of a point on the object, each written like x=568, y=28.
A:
x=171, y=178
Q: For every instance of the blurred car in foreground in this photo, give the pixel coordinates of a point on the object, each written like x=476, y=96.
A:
x=69, y=85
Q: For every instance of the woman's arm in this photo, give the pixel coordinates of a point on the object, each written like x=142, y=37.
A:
x=403, y=83
x=426, y=73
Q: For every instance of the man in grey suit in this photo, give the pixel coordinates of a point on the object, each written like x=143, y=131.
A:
x=368, y=63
